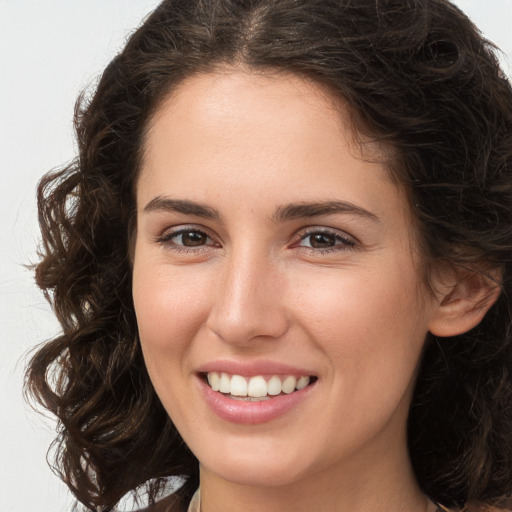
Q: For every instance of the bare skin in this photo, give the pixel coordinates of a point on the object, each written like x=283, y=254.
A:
x=231, y=266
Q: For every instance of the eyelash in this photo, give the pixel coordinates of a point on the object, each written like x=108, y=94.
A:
x=342, y=242
x=166, y=239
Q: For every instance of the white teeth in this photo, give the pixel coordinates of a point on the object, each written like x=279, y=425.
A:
x=238, y=386
x=250, y=398
x=302, y=383
x=274, y=385
x=257, y=387
x=289, y=384
x=225, y=383
x=214, y=381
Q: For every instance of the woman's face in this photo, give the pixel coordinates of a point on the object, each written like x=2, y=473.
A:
x=269, y=255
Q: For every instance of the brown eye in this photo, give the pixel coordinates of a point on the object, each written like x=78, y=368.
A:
x=325, y=240
x=191, y=238
x=187, y=238
x=322, y=240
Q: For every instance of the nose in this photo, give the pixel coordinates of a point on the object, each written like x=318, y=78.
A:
x=248, y=301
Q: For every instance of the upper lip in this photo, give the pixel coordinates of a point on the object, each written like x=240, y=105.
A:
x=252, y=368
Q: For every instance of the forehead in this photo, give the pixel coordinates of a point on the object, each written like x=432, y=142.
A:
x=232, y=103
x=218, y=102
x=248, y=145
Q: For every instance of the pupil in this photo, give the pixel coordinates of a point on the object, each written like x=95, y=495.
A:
x=192, y=238
x=322, y=240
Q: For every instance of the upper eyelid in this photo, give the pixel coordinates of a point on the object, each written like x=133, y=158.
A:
x=165, y=236
x=298, y=235
x=306, y=231
x=180, y=228
x=164, y=239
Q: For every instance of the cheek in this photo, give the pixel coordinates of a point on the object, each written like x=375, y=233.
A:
x=168, y=317
x=367, y=320
x=168, y=311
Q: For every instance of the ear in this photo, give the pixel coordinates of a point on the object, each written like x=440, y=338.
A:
x=463, y=299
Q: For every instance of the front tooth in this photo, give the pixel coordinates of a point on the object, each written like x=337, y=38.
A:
x=289, y=384
x=238, y=386
x=225, y=383
x=257, y=387
x=274, y=385
x=302, y=383
x=214, y=381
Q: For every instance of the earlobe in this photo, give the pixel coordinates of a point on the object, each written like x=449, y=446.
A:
x=463, y=304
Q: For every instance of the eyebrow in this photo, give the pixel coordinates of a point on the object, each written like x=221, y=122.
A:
x=316, y=209
x=282, y=213
x=166, y=204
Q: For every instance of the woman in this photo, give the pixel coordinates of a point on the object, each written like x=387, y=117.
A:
x=282, y=263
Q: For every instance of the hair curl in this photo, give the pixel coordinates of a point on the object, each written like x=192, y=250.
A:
x=416, y=75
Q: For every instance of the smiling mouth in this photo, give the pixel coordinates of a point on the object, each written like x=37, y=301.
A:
x=258, y=387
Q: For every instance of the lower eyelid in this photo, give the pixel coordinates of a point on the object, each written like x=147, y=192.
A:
x=167, y=236
x=342, y=240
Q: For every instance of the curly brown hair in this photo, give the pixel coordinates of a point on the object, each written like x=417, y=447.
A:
x=416, y=75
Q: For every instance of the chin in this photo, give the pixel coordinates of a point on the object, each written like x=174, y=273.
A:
x=258, y=468
x=260, y=474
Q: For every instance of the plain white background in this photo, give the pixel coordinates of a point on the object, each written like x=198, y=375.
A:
x=49, y=51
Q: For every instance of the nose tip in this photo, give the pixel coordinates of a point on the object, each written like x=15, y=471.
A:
x=239, y=329
x=248, y=306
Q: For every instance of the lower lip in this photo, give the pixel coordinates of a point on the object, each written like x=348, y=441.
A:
x=252, y=413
